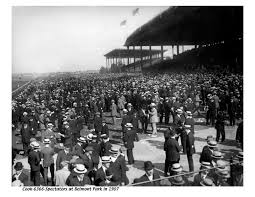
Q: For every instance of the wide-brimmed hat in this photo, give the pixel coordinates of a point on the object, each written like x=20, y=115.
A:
x=179, y=111
x=89, y=136
x=148, y=165
x=189, y=113
x=35, y=145
x=217, y=155
x=81, y=139
x=212, y=143
x=80, y=169
x=178, y=180
x=125, y=111
x=114, y=150
x=106, y=159
x=128, y=125
x=104, y=136
x=206, y=164
x=176, y=167
x=129, y=104
x=18, y=166
x=89, y=148
x=46, y=141
x=207, y=182
x=152, y=105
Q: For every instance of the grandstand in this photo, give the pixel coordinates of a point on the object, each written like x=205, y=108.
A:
x=215, y=32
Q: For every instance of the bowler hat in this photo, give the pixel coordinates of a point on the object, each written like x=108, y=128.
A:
x=18, y=166
x=148, y=165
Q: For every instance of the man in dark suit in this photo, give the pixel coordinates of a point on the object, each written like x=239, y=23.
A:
x=100, y=177
x=125, y=119
x=206, y=155
x=34, y=159
x=19, y=174
x=78, y=177
x=63, y=155
x=25, y=136
x=149, y=176
x=105, y=145
x=105, y=129
x=190, y=148
x=129, y=138
x=220, y=127
x=78, y=148
x=118, y=166
x=161, y=110
x=68, y=137
x=98, y=123
x=144, y=118
x=190, y=121
x=172, y=149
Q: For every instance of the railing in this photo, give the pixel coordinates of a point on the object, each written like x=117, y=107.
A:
x=183, y=174
x=18, y=90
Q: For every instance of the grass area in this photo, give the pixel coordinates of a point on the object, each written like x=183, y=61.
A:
x=17, y=84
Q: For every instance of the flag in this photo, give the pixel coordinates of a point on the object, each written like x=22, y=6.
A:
x=135, y=11
x=123, y=23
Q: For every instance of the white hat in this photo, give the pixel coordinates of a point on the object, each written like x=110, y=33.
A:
x=80, y=169
x=46, y=141
x=128, y=125
x=89, y=136
x=35, y=144
x=106, y=159
x=81, y=139
x=179, y=111
x=153, y=105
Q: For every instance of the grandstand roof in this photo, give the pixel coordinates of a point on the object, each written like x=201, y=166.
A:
x=124, y=53
x=186, y=25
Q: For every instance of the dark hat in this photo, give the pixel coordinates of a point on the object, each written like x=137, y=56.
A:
x=148, y=165
x=18, y=166
x=108, y=172
x=89, y=148
x=114, y=150
x=172, y=133
x=209, y=137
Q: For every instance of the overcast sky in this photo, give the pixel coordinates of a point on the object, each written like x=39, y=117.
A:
x=50, y=39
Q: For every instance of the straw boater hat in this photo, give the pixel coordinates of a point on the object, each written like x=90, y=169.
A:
x=177, y=181
x=125, y=111
x=81, y=139
x=129, y=125
x=212, y=144
x=221, y=165
x=80, y=169
x=35, y=145
x=206, y=165
x=152, y=105
x=114, y=150
x=89, y=136
x=187, y=126
x=179, y=111
x=176, y=167
x=46, y=141
x=129, y=104
x=207, y=182
x=209, y=138
x=106, y=159
x=217, y=155
x=104, y=136
x=189, y=113
x=223, y=173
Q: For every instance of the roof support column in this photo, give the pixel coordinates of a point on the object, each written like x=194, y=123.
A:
x=128, y=53
x=134, y=53
x=172, y=51
x=141, y=48
x=177, y=49
x=182, y=48
x=150, y=55
x=162, y=52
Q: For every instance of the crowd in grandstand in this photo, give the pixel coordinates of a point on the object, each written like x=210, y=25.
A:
x=66, y=116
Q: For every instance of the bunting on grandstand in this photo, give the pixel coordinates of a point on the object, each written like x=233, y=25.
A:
x=135, y=11
x=123, y=23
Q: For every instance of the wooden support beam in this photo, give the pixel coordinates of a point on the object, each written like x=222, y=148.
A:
x=141, y=48
x=162, y=52
x=178, y=49
x=150, y=55
x=128, y=53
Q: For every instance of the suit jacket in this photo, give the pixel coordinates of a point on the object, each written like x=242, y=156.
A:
x=72, y=180
x=62, y=156
x=190, y=144
x=105, y=130
x=47, y=155
x=25, y=134
x=90, y=163
x=172, y=150
x=105, y=148
x=23, y=178
x=145, y=178
x=100, y=177
x=153, y=115
x=34, y=159
x=129, y=138
x=118, y=168
x=206, y=155
x=77, y=150
x=190, y=121
x=98, y=124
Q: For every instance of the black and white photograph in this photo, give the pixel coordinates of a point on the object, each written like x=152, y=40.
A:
x=127, y=96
